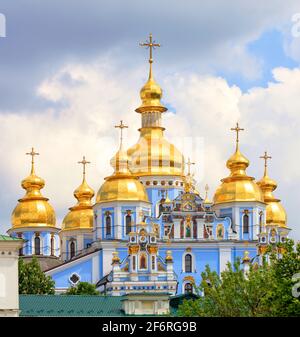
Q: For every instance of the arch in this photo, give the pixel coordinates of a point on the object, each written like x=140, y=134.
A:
x=188, y=288
x=128, y=221
x=245, y=223
x=188, y=263
x=108, y=225
x=72, y=249
x=37, y=244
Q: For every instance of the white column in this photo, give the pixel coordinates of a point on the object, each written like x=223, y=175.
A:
x=200, y=225
x=224, y=257
x=118, y=222
x=177, y=229
x=95, y=268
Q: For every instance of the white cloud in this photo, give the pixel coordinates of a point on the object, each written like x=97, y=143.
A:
x=95, y=97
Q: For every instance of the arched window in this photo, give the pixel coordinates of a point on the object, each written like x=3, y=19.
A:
x=72, y=249
x=188, y=263
x=181, y=229
x=128, y=223
x=108, y=225
x=143, y=264
x=188, y=288
x=37, y=245
x=246, y=223
x=52, y=245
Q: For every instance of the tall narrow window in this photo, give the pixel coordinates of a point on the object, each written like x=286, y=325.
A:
x=108, y=225
x=128, y=223
x=143, y=264
x=21, y=249
x=260, y=221
x=188, y=263
x=246, y=223
x=37, y=245
x=188, y=288
x=195, y=229
x=153, y=262
x=52, y=245
x=181, y=229
x=133, y=263
x=72, y=249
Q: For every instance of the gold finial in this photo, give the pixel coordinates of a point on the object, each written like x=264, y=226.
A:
x=151, y=45
x=265, y=157
x=189, y=164
x=121, y=126
x=84, y=163
x=32, y=153
x=237, y=129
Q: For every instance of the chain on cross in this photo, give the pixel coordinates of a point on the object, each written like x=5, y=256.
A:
x=84, y=162
x=121, y=126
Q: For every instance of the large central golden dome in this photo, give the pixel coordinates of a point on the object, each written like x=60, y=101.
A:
x=153, y=154
x=122, y=185
x=238, y=186
x=33, y=210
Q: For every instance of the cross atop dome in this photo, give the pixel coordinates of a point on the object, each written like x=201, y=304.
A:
x=150, y=45
x=121, y=126
x=265, y=157
x=32, y=153
x=84, y=162
x=237, y=129
x=189, y=164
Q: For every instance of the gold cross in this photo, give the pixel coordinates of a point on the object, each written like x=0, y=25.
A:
x=84, y=163
x=266, y=157
x=151, y=45
x=189, y=164
x=237, y=129
x=121, y=126
x=32, y=153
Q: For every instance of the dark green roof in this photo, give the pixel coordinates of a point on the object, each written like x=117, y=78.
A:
x=8, y=238
x=70, y=305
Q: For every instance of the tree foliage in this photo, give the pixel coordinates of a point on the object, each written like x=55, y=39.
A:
x=32, y=280
x=82, y=288
x=266, y=290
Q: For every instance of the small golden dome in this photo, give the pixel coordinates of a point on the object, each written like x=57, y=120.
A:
x=238, y=186
x=122, y=185
x=275, y=212
x=33, y=210
x=81, y=215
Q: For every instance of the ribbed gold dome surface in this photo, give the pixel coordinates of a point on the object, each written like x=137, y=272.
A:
x=238, y=186
x=33, y=210
x=154, y=155
x=275, y=212
x=122, y=185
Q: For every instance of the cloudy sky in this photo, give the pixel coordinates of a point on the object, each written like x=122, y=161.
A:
x=70, y=70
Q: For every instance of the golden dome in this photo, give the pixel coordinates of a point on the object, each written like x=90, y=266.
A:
x=153, y=154
x=238, y=186
x=81, y=215
x=275, y=213
x=122, y=185
x=33, y=210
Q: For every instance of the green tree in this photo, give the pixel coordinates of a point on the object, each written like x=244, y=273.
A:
x=32, y=280
x=83, y=288
x=265, y=291
x=281, y=299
